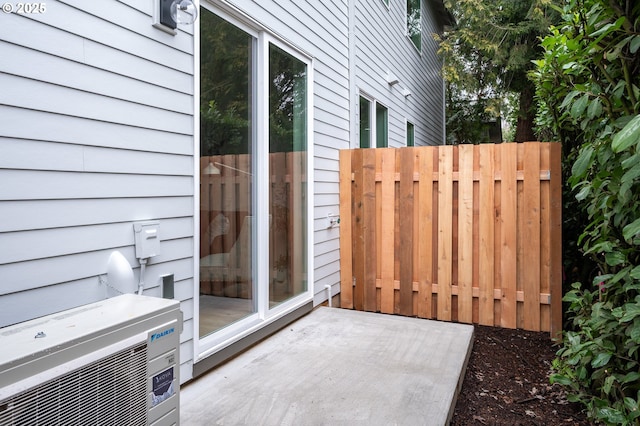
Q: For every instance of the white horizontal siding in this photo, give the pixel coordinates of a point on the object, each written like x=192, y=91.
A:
x=382, y=47
x=27, y=215
x=41, y=155
x=36, y=95
x=36, y=184
x=23, y=123
x=23, y=276
x=96, y=132
x=55, y=70
x=27, y=245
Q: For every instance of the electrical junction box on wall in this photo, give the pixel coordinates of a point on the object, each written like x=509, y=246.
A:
x=147, y=237
x=114, y=362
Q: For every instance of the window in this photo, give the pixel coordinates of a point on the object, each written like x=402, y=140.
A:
x=365, y=123
x=414, y=23
x=410, y=134
x=386, y=2
x=382, y=133
x=373, y=124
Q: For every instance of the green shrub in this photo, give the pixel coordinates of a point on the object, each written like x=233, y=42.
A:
x=588, y=93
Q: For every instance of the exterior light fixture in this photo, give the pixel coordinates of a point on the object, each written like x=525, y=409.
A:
x=406, y=92
x=170, y=13
x=392, y=80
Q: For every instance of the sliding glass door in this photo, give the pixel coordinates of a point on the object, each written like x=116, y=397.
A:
x=254, y=116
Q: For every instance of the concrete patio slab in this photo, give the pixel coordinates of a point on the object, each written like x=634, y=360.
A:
x=338, y=367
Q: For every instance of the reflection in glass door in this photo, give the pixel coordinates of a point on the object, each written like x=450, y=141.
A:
x=288, y=173
x=227, y=292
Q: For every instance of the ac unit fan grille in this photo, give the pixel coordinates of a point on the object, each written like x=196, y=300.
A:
x=109, y=392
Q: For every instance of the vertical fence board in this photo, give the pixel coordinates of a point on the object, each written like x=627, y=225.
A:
x=545, y=239
x=358, y=234
x=406, y=161
x=508, y=252
x=425, y=231
x=486, y=229
x=369, y=229
x=445, y=234
x=531, y=237
x=497, y=235
x=465, y=234
x=346, y=229
x=387, y=212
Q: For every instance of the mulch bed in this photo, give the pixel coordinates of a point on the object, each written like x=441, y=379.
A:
x=507, y=382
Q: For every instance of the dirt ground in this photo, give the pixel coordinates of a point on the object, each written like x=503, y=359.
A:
x=506, y=382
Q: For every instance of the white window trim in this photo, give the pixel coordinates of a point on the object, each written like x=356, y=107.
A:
x=406, y=134
x=406, y=27
x=375, y=117
x=372, y=119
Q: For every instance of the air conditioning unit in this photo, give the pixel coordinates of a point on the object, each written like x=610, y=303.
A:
x=115, y=362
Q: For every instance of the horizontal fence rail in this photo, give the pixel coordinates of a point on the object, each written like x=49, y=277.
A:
x=468, y=233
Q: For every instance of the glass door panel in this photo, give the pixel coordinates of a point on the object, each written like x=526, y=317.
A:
x=227, y=292
x=287, y=174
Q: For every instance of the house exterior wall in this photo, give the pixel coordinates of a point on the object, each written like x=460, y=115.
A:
x=381, y=47
x=97, y=132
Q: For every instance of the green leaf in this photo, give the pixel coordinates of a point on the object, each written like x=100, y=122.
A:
x=559, y=378
x=635, y=272
x=632, y=311
x=608, y=383
x=615, y=258
x=631, y=230
x=634, y=333
x=567, y=99
x=578, y=107
x=601, y=359
x=635, y=44
x=627, y=136
x=584, y=192
x=630, y=377
x=611, y=415
x=595, y=108
x=583, y=162
x=631, y=175
x=631, y=404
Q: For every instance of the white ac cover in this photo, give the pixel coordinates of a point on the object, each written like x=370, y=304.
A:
x=115, y=362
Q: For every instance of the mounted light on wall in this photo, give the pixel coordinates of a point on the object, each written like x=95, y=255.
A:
x=170, y=13
x=392, y=80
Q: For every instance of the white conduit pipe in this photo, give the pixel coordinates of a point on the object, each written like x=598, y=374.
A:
x=328, y=288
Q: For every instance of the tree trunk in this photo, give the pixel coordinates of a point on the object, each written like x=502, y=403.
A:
x=526, y=116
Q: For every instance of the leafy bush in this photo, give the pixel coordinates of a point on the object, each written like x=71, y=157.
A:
x=588, y=93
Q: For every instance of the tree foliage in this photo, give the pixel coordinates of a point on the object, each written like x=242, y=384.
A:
x=488, y=54
x=588, y=90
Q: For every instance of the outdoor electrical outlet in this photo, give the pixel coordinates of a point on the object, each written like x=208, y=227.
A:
x=147, y=239
x=333, y=220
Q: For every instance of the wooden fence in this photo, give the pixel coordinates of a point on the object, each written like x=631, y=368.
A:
x=468, y=233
